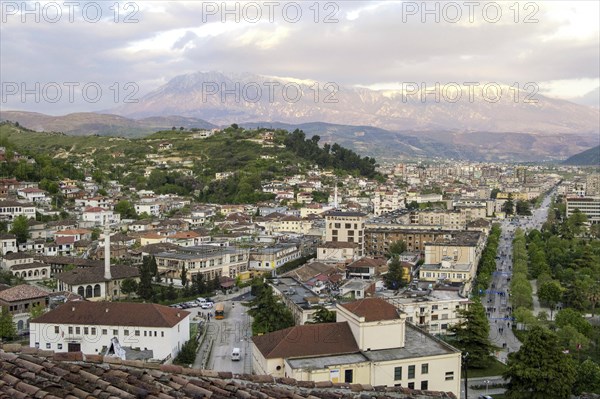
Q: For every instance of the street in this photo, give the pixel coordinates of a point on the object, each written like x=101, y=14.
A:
x=234, y=331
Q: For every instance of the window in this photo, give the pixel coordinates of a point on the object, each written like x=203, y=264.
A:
x=56, y=329
x=411, y=385
x=48, y=345
x=137, y=333
x=104, y=331
x=126, y=332
x=444, y=317
x=59, y=346
x=155, y=333
x=424, y=385
x=162, y=333
x=348, y=374
x=93, y=330
x=434, y=307
x=77, y=330
x=397, y=373
x=144, y=333
x=115, y=332
x=425, y=368
x=444, y=326
x=337, y=225
x=449, y=375
x=348, y=225
x=334, y=232
x=411, y=371
x=71, y=330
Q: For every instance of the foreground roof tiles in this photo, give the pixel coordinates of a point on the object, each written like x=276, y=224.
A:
x=41, y=374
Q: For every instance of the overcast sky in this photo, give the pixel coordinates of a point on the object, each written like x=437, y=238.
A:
x=379, y=45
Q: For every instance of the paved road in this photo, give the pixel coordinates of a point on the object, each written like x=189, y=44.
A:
x=223, y=335
x=497, y=300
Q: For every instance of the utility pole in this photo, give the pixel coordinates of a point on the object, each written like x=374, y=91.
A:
x=465, y=359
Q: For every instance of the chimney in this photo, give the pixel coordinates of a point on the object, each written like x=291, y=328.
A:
x=107, y=252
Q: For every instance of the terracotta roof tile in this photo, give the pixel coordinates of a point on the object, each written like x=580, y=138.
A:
x=114, y=314
x=22, y=292
x=307, y=340
x=61, y=378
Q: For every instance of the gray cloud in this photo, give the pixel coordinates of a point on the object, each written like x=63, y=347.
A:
x=373, y=46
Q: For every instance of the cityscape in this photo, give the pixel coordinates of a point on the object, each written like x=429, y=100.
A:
x=189, y=208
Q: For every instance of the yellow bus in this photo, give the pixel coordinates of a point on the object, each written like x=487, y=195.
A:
x=219, y=311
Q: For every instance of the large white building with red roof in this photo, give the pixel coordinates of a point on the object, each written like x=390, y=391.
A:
x=91, y=327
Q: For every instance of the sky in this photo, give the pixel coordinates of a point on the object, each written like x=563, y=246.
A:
x=58, y=57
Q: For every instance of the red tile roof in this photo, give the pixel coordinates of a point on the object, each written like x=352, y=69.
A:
x=307, y=340
x=21, y=293
x=47, y=375
x=373, y=309
x=114, y=314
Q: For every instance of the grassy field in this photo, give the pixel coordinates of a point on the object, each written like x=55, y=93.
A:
x=496, y=368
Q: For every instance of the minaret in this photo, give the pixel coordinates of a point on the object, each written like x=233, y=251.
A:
x=335, y=197
x=107, y=252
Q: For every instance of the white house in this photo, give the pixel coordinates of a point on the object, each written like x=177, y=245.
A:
x=100, y=216
x=90, y=327
x=12, y=209
x=33, y=194
x=152, y=209
x=8, y=244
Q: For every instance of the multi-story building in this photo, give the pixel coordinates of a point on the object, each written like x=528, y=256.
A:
x=434, y=310
x=590, y=206
x=11, y=209
x=378, y=240
x=270, y=258
x=98, y=216
x=346, y=227
x=446, y=219
x=337, y=252
x=207, y=260
x=8, y=244
x=20, y=300
x=95, y=328
x=454, y=260
x=370, y=343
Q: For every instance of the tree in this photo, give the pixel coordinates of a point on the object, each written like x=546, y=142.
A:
x=550, y=293
x=129, y=286
x=145, y=289
x=523, y=208
x=187, y=354
x=125, y=209
x=7, y=326
x=396, y=248
x=394, y=278
x=323, y=315
x=37, y=311
x=472, y=335
x=20, y=228
x=198, y=284
x=568, y=316
x=269, y=313
x=539, y=370
x=184, y=278
x=588, y=378
x=509, y=206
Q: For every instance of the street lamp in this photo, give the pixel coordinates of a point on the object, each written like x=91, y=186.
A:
x=465, y=359
x=487, y=382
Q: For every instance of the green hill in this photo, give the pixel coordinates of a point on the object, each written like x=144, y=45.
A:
x=180, y=161
x=589, y=157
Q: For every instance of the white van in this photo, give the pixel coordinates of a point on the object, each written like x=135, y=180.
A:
x=236, y=354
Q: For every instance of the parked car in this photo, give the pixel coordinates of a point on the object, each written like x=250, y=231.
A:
x=236, y=354
x=206, y=305
x=192, y=304
x=200, y=300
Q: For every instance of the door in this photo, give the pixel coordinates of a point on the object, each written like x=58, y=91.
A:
x=74, y=347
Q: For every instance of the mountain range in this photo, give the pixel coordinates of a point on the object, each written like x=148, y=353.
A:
x=385, y=124
x=589, y=157
x=239, y=98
